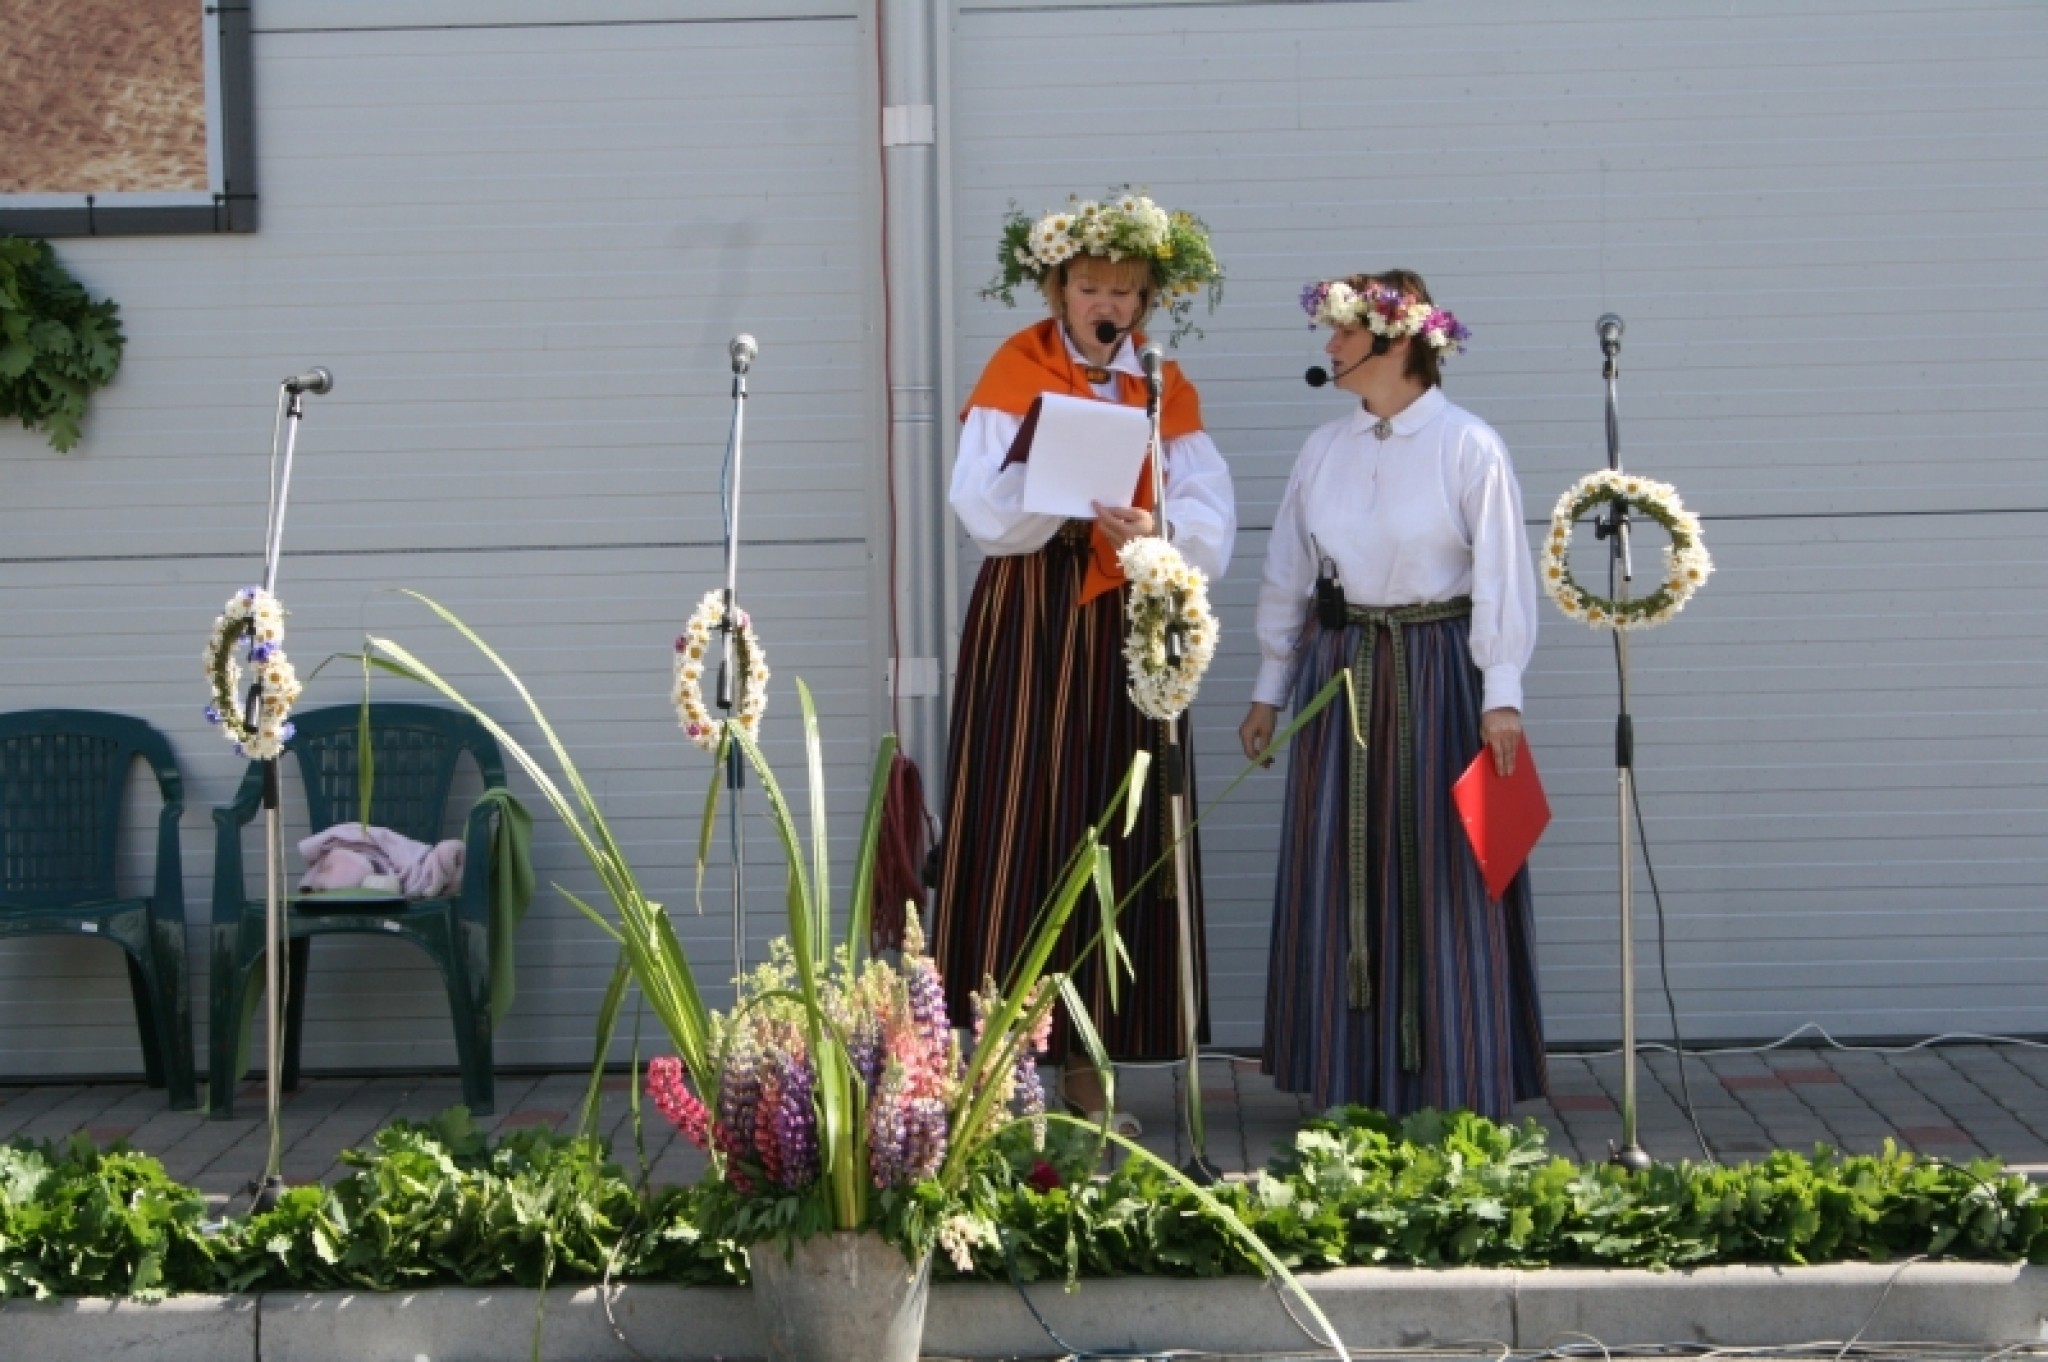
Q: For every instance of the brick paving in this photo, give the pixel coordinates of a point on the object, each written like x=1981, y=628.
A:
x=1965, y=1101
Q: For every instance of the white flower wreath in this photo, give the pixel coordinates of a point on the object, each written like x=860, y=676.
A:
x=1686, y=564
x=255, y=614
x=693, y=654
x=1164, y=588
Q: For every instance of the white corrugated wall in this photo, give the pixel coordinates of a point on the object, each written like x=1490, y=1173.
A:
x=521, y=237
x=1824, y=224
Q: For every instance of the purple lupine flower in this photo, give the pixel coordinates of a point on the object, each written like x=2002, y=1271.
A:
x=864, y=1048
x=928, y=1007
x=1027, y=1085
x=924, y=1137
x=288, y=732
x=247, y=593
x=739, y=1100
x=262, y=652
x=1312, y=296
x=792, y=1121
x=767, y=1148
x=886, y=1133
x=212, y=715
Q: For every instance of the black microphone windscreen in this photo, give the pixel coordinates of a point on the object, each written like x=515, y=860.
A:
x=1316, y=377
x=1105, y=333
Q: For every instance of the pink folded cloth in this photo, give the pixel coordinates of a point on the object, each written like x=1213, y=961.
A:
x=343, y=855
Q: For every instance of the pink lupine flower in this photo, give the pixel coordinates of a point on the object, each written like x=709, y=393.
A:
x=673, y=1097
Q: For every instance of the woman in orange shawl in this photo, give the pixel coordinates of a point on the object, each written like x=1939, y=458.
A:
x=1043, y=728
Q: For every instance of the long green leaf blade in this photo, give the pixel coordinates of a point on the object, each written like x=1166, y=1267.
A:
x=860, y=916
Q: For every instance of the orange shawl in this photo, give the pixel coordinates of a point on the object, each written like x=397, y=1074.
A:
x=1035, y=361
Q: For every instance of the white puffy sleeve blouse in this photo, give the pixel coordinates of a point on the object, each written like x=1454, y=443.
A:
x=1431, y=513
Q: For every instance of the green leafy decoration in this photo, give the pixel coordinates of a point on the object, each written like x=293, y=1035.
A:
x=442, y=1204
x=57, y=346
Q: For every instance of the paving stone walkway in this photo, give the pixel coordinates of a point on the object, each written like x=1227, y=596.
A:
x=1961, y=1102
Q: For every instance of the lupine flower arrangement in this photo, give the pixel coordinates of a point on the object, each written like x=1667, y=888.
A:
x=834, y=1095
x=759, y=1121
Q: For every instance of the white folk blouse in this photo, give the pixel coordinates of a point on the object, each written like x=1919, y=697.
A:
x=1431, y=513
x=1201, y=508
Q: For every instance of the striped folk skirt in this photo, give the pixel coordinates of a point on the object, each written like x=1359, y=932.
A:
x=1042, y=734
x=1460, y=984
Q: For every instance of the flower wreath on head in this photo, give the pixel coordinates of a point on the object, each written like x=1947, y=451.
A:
x=1165, y=591
x=1124, y=225
x=255, y=614
x=1384, y=312
x=1686, y=563
x=693, y=653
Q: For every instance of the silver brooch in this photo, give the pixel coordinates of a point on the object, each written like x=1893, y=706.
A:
x=1382, y=429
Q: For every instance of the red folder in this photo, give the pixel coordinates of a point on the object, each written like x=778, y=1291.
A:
x=1503, y=815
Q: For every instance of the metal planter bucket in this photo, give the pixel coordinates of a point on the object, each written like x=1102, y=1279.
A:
x=836, y=1297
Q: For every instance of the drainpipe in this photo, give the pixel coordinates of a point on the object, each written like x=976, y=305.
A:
x=916, y=248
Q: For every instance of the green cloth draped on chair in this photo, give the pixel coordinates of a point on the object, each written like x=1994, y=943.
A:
x=415, y=749
x=62, y=776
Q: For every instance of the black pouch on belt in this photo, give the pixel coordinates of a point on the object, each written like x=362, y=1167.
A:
x=1331, y=611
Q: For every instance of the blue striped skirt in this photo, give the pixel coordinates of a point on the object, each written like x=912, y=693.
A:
x=1476, y=1015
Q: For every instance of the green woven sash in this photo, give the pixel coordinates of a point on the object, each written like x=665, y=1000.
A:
x=1374, y=620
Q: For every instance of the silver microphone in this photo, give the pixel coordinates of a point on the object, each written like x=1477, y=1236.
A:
x=1609, y=329
x=742, y=351
x=1150, y=358
x=311, y=381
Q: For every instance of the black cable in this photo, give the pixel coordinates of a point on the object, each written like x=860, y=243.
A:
x=1072, y=1353
x=1635, y=794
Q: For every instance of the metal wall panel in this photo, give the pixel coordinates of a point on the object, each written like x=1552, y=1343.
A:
x=522, y=248
x=1823, y=223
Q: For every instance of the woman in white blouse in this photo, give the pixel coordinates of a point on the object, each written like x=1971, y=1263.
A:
x=1399, y=553
x=1043, y=729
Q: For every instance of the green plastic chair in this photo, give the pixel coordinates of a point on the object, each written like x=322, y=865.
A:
x=415, y=749
x=62, y=775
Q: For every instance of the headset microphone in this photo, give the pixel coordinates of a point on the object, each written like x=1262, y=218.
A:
x=1106, y=333
x=1319, y=376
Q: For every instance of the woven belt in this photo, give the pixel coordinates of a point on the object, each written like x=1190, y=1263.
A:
x=1409, y=938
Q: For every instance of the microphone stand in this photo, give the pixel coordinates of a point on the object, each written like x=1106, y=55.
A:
x=1614, y=527
x=728, y=685
x=1197, y=1169
x=270, y=1187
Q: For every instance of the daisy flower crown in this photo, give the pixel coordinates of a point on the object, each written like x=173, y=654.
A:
x=1384, y=312
x=1123, y=225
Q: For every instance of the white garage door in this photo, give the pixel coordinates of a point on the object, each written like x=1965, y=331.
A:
x=1824, y=224
x=522, y=248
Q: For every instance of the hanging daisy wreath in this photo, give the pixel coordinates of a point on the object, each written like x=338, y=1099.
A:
x=693, y=654
x=254, y=614
x=1686, y=564
x=1164, y=589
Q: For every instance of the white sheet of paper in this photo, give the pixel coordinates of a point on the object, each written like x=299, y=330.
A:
x=1084, y=452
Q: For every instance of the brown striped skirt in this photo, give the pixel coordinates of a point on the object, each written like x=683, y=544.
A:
x=1469, y=985
x=1043, y=731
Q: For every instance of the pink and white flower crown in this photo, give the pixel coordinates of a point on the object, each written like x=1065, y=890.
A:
x=1384, y=312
